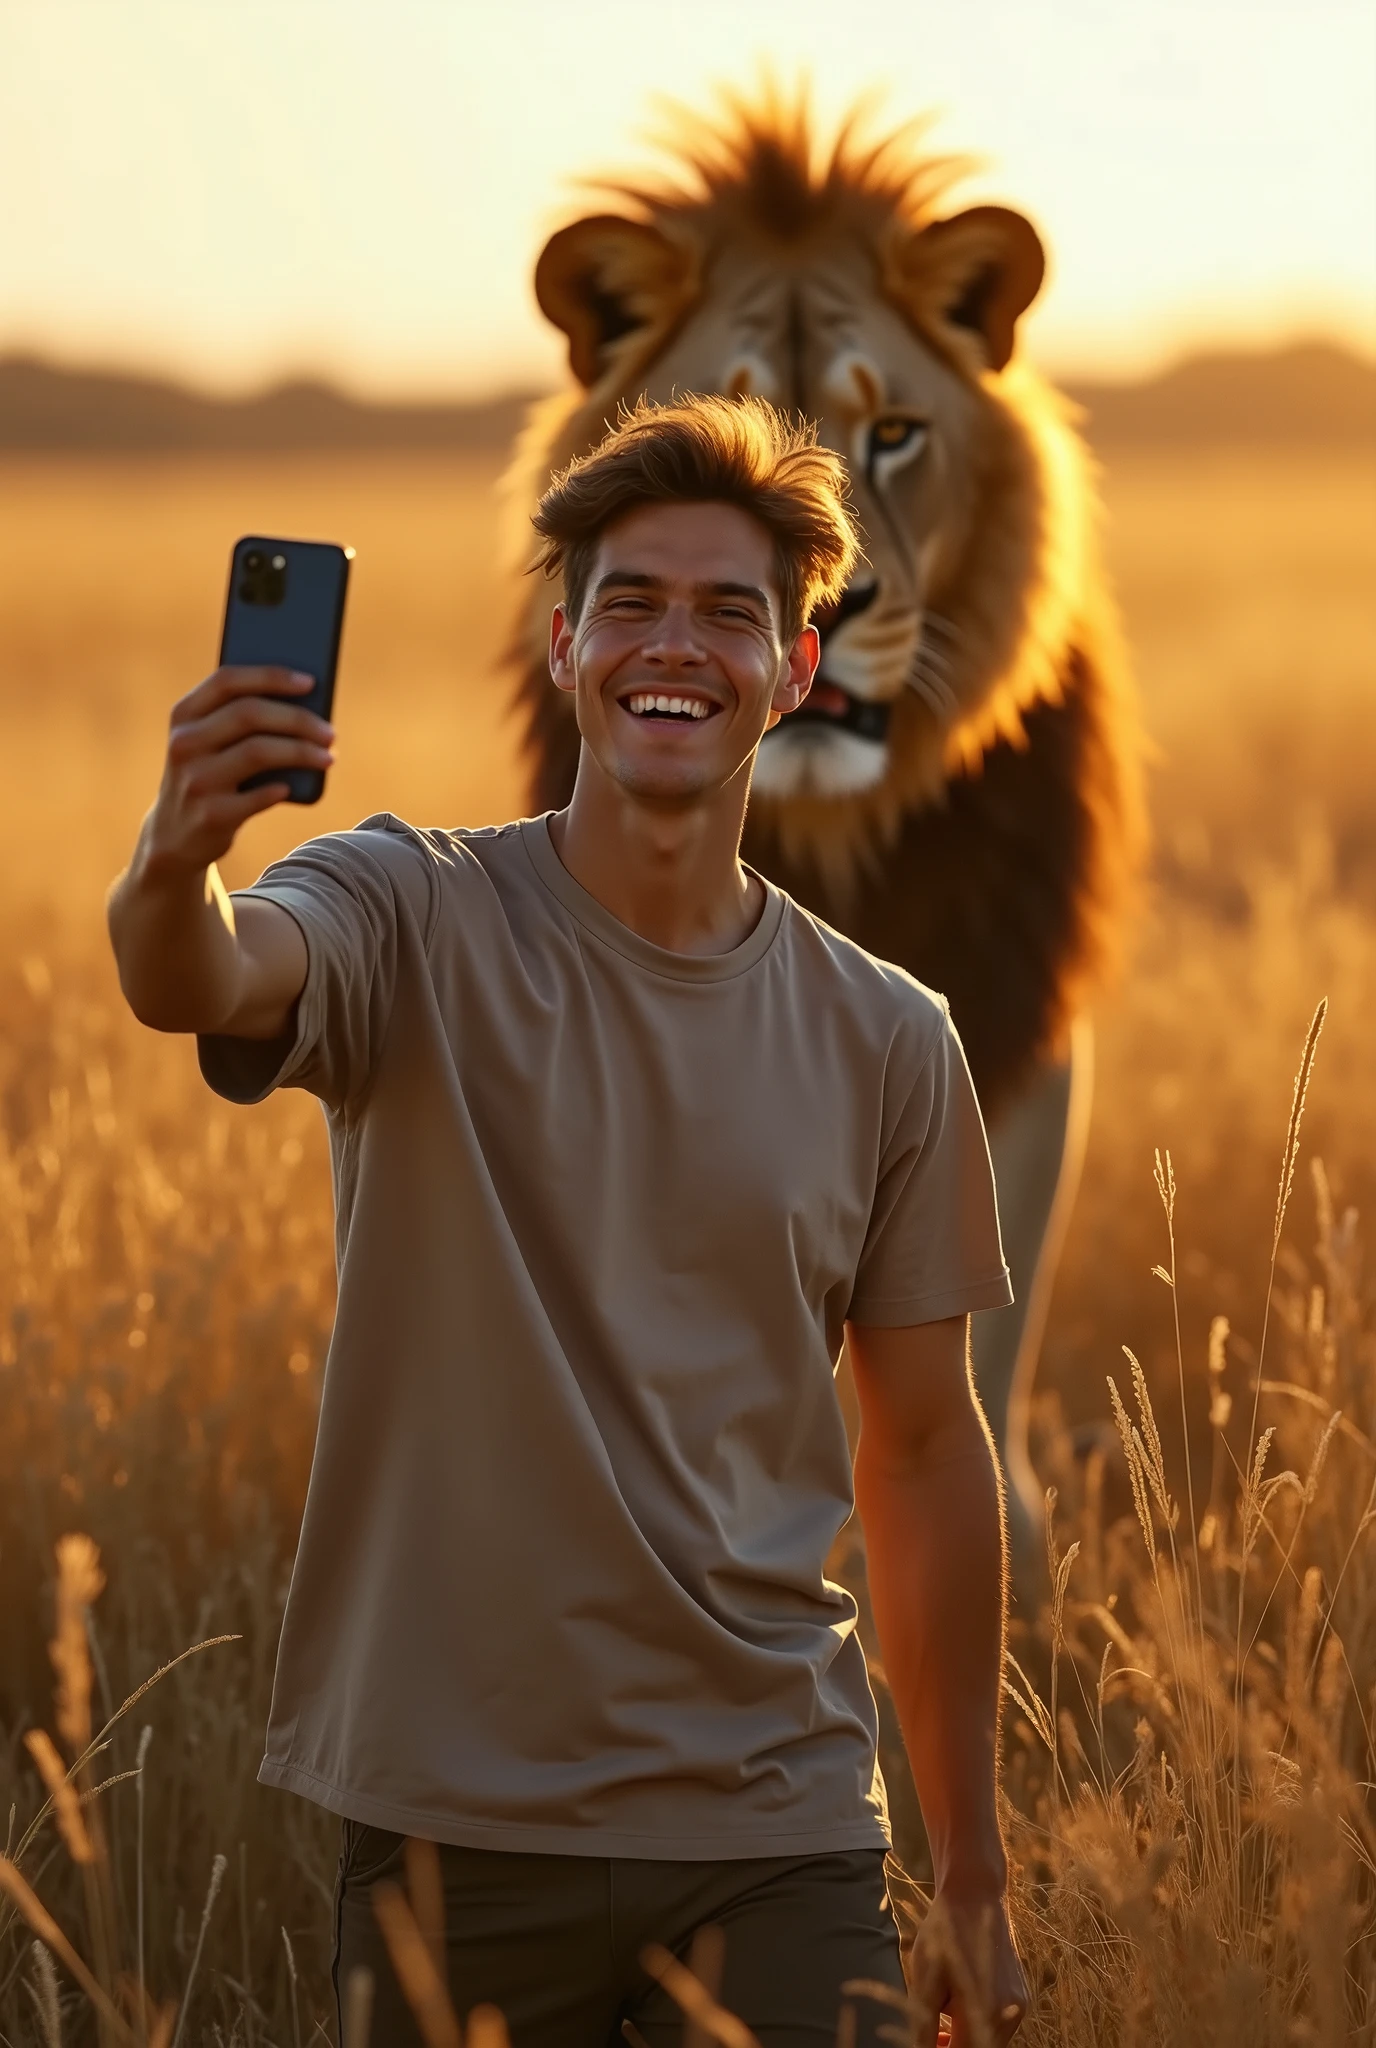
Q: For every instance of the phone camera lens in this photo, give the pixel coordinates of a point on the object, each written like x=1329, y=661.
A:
x=279, y=561
x=253, y=560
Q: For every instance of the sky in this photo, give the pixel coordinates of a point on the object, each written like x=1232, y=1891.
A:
x=231, y=191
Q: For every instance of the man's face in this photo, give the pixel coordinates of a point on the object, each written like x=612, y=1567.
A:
x=676, y=662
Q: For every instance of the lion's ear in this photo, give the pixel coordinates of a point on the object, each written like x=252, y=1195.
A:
x=606, y=277
x=969, y=278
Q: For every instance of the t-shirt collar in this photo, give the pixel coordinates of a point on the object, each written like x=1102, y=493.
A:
x=597, y=919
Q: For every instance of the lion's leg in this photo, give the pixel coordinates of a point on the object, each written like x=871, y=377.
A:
x=1037, y=1146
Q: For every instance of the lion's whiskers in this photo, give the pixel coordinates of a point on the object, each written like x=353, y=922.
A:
x=929, y=673
x=933, y=622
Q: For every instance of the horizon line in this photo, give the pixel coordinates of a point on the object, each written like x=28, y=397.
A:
x=480, y=393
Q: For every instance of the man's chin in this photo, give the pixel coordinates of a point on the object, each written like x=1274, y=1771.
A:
x=661, y=775
x=677, y=782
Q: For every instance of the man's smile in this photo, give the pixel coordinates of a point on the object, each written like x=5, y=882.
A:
x=665, y=705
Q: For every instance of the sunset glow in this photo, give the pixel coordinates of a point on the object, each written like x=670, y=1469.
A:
x=234, y=193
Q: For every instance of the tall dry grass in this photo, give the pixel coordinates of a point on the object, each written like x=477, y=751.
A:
x=1187, y=1767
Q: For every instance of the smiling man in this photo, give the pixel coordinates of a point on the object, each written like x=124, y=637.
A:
x=625, y=1143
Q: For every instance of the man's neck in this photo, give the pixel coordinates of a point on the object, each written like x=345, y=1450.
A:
x=670, y=873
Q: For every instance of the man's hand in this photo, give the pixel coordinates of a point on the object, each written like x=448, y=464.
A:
x=184, y=963
x=927, y=1489
x=237, y=723
x=964, y=1963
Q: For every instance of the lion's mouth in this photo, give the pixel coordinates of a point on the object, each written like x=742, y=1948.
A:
x=827, y=704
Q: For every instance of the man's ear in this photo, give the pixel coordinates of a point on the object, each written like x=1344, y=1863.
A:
x=561, y=665
x=967, y=280
x=799, y=669
x=604, y=278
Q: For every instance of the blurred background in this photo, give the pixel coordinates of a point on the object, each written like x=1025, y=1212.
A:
x=269, y=268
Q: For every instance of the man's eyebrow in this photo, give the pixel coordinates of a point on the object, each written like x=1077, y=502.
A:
x=633, y=579
x=751, y=590
x=637, y=579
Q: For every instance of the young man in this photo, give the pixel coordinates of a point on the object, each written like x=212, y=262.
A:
x=624, y=1141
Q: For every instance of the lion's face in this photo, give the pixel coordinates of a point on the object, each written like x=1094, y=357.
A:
x=894, y=332
x=814, y=335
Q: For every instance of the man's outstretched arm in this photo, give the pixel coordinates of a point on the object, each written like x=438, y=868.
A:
x=186, y=962
x=927, y=1490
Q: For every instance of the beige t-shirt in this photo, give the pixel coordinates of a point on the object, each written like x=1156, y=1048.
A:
x=603, y=1211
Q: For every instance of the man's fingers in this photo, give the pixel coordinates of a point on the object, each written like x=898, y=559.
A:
x=220, y=817
x=240, y=681
x=929, y=1994
x=246, y=803
x=227, y=810
x=1002, y=2016
x=238, y=719
x=233, y=765
x=1008, y=2019
x=999, y=2028
x=942, y=1983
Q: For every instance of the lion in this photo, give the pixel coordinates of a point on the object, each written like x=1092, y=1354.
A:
x=961, y=791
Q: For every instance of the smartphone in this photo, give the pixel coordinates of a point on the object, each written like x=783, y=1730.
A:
x=285, y=609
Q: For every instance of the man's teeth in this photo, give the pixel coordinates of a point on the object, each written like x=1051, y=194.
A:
x=674, y=707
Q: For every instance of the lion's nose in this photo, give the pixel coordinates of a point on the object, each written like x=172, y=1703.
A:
x=854, y=599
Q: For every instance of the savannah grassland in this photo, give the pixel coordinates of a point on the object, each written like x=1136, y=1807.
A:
x=1189, y=1746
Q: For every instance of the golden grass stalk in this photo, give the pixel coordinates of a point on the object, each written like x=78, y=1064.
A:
x=1165, y=1187
x=156, y=2022
x=1291, y=1149
x=99, y=1742
x=707, y=1961
x=1253, y=1507
x=693, y=1999
x=1060, y=1569
x=487, y=2028
x=881, y=1994
x=359, y=1988
x=80, y=1582
x=217, y=1872
x=424, y=1989
x=1134, y=1458
x=160, y=2035
x=294, y=1982
x=50, y=1934
x=1289, y=1154
x=140, y=1761
x=63, y=1794
x=425, y=1888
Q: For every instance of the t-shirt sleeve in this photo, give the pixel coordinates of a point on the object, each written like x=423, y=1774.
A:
x=356, y=896
x=933, y=1246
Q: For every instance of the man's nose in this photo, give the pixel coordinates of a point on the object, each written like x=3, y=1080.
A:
x=674, y=638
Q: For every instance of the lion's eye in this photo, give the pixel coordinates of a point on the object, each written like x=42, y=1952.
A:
x=893, y=442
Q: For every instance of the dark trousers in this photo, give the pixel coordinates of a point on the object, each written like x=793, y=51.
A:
x=555, y=1941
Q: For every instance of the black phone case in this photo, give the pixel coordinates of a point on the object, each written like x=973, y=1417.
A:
x=285, y=609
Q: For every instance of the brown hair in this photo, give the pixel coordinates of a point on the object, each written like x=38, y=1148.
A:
x=708, y=450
